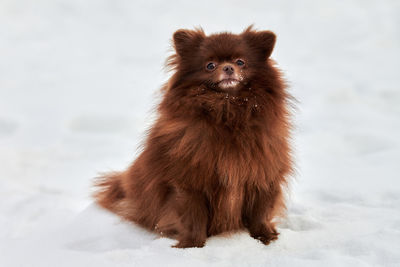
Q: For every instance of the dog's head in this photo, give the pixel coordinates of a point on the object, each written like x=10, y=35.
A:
x=222, y=62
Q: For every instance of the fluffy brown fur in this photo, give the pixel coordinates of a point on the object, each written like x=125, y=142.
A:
x=217, y=157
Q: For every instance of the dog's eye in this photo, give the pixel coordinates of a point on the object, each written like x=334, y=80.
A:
x=210, y=66
x=240, y=62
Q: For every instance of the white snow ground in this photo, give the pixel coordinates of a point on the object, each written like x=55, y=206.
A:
x=78, y=80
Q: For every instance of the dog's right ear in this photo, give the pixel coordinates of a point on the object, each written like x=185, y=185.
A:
x=185, y=41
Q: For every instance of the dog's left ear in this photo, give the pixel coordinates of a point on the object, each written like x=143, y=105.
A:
x=185, y=41
x=261, y=41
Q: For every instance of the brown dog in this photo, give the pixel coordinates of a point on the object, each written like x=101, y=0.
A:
x=217, y=157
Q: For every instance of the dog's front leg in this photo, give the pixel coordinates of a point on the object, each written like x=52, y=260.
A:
x=193, y=215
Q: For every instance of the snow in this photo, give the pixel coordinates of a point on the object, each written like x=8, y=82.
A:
x=78, y=86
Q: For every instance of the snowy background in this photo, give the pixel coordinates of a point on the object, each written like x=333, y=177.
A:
x=78, y=86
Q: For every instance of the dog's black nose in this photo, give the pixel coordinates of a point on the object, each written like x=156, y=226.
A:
x=228, y=69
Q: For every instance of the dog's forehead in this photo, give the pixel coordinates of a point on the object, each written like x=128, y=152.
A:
x=223, y=46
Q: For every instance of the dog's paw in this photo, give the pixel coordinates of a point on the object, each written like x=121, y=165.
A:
x=266, y=237
x=190, y=243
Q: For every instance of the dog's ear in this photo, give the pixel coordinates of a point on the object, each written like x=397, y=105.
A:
x=262, y=42
x=185, y=41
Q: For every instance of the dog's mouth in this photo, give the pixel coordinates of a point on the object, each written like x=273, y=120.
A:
x=228, y=83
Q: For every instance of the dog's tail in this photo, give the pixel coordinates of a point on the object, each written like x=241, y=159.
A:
x=109, y=190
